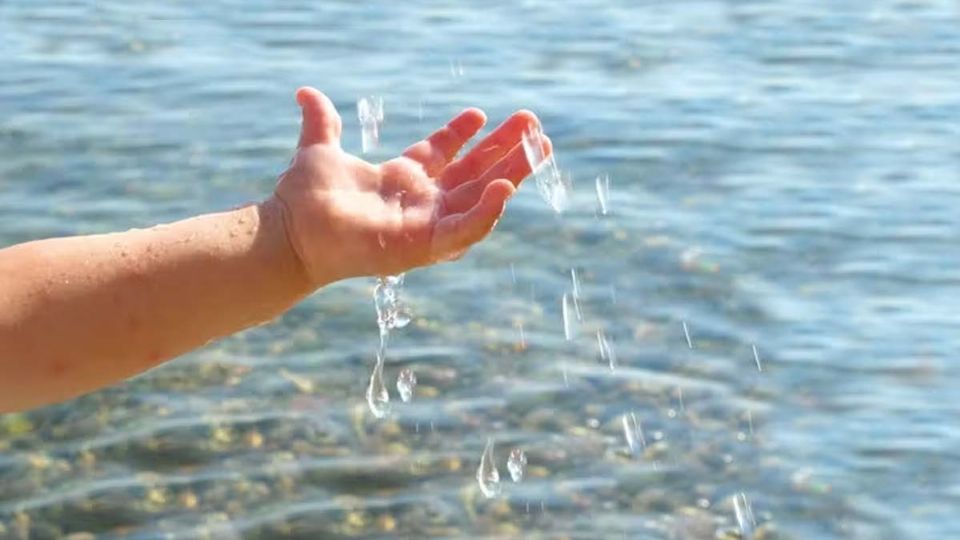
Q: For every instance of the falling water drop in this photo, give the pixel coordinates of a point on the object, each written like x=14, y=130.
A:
x=378, y=399
x=406, y=383
x=686, y=333
x=488, y=477
x=569, y=318
x=633, y=433
x=603, y=193
x=402, y=317
x=370, y=113
x=553, y=186
x=517, y=464
x=575, y=280
x=456, y=68
x=606, y=349
x=756, y=358
x=744, y=514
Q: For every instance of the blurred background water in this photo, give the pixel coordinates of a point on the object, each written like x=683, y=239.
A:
x=783, y=174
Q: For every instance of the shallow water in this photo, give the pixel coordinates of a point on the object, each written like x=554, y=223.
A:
x=782, y=175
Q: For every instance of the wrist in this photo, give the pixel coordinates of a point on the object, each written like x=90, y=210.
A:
x=278, y=251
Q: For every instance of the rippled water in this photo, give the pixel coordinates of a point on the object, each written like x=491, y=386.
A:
x=782, y=174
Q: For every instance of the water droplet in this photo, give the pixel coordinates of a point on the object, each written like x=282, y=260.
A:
x=523, y=338
x=553, y=186
x=603, y=193
x=569, y=318
x=370, y=113
x=756, y=358
x=607, y=353
x=402, y=317
x=686, y=333
x=456, y=68
x=378, y=399
x=406, y=383
x=488, y=477
x=517, y=464
x=633, y=433
x=575, y=279
x=744, y=514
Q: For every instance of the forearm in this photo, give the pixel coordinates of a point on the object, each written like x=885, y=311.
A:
x=81, y=313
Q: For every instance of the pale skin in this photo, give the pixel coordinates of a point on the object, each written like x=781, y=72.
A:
x=81, y=313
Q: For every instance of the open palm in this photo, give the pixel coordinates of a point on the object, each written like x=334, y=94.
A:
x=346, y=217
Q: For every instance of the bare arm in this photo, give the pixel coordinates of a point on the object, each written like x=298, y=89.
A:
x=81, y=313
x=77, y=314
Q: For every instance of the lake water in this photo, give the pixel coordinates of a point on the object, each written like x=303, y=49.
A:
x=784, y=175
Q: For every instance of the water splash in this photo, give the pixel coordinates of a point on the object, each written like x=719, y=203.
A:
x=633, y=433
x=391, y=313
x=603, y=194
x=553, y=187
x=406, y=384
x=744, y=514
x=370, y=113
x=488, y=477
x=517, y=464
x=607, y=353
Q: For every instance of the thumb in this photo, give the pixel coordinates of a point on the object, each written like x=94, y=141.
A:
x=321, y=123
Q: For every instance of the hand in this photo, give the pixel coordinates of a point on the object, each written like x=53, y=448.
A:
x=346, y=217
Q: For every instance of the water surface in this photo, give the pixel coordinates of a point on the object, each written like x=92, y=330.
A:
x=783, y=174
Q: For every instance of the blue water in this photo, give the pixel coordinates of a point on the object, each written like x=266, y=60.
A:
x=784, y=174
